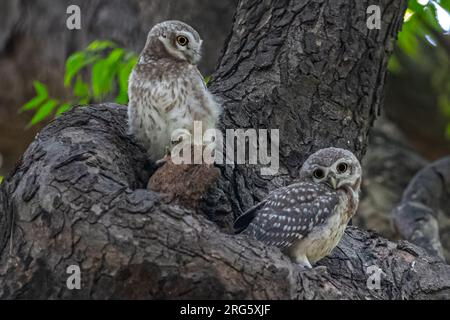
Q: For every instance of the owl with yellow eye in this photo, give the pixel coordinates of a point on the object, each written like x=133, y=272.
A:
x=167, y=93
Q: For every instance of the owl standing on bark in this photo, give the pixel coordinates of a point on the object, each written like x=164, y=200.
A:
x=167, y=91
x=308, y=218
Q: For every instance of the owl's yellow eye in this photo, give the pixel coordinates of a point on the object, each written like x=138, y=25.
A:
x=182, y=40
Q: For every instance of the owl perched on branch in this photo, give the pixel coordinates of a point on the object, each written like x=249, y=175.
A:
x=308, y=218
x=167, y=91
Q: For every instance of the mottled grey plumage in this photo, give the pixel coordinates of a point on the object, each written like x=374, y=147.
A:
x=166, y=90
x=308, y=218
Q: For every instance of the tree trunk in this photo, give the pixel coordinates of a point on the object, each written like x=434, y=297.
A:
x=309, y=68
x=78, y=197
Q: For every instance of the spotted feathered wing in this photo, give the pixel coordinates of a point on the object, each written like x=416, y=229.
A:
x=289, y=213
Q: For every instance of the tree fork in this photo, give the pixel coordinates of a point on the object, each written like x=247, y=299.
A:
x=78, y=197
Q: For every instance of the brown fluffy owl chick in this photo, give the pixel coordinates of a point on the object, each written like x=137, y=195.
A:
x=167, y=91
x=186, y=184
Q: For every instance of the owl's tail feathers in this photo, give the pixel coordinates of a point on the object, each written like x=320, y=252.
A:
x=243, y=221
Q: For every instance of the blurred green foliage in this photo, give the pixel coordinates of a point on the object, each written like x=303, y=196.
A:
x=93, y=74
x=1, y=179
x=423, y=24
x=207, y=80
x=99, y=71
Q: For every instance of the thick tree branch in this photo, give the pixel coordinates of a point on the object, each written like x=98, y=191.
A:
x=73, y=199
x=416, y=217
x=309, y=68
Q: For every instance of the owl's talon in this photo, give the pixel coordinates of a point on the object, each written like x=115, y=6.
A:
x=174, y=142
x=161, y=162
x=304, y=267
x=321, y=269
x=167, y=152
x=303, y=262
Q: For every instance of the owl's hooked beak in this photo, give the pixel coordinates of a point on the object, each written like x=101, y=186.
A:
x=331, y=181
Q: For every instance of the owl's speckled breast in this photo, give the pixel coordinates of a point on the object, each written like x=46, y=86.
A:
x=325, y=237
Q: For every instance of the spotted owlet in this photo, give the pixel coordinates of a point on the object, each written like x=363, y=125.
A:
x=167, y=91
x=307, y=219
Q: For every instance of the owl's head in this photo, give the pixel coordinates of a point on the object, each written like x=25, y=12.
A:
x=174, y=39
x=335, y=167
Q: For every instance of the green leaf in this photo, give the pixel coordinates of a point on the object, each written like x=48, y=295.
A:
x=62, y=108
x=115, y=56
x=414, y=6
x=103, y=73
x=100, y=74
x=394, y=65
x=408, y=43
x=41, y=89
x=445, y=4
x=33, y=104
x=447, y=132
x=444, y=104
x=1, y=179
x=81, y=89
x=408, y=39
x=42, y=95
x=430, y=16
x=125, y=70
x=122, y=98
x=84, y=101
x=100, y=45
x=207, y=79
x=75, y=63
x=44, y=111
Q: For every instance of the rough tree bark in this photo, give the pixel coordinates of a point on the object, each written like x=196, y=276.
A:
x=310, y=68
